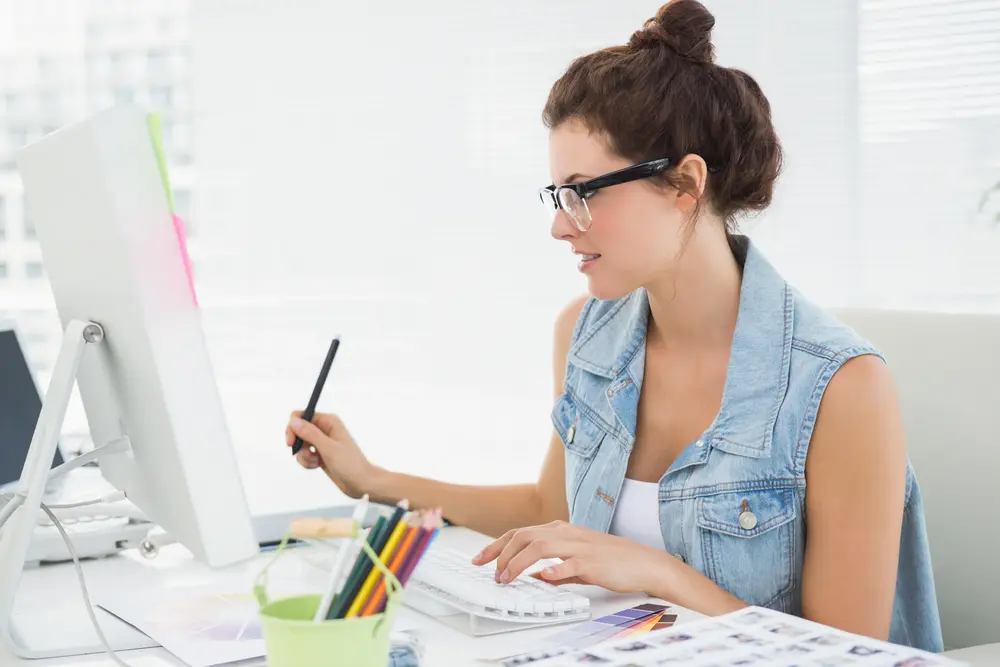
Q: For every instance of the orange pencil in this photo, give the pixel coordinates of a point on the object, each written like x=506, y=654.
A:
x=395, y=562
x=426, y=536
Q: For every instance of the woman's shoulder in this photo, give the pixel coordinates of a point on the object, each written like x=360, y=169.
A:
x=818, y=331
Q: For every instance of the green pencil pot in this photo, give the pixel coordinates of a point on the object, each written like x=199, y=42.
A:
x=293, y=639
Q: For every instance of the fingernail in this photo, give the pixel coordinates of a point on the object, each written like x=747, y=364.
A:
x=296, y=423
x=548, y=573
x=477, y=558
x=505, y=577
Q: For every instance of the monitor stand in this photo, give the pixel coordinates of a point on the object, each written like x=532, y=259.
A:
x=35, y=476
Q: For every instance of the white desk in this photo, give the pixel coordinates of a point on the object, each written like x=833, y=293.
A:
x=56, y=587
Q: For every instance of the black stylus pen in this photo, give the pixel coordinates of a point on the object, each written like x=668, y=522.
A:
x=310, y=410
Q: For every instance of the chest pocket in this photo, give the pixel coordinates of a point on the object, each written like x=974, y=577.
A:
x=748, y=538
x=581, y=437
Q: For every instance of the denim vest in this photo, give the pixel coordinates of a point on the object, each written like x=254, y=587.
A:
x=732, y=505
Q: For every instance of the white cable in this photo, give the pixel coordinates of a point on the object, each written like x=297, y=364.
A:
x=83, y=587
x=113, y=497
x=14, y=500
x=119, y=445
x=109, y=510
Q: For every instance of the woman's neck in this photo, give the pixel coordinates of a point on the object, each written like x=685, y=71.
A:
x=696, y=303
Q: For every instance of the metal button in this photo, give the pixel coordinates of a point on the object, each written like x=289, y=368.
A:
x=679, y=557
x=570, y=434
x=748, y=520
x=699, y=443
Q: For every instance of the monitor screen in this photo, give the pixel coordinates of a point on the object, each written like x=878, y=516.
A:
x=20, y=405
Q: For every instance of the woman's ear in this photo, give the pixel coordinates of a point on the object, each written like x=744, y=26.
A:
x=685, y=202
x=692, y=173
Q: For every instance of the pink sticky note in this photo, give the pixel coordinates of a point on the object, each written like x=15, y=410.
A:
x=182, y=239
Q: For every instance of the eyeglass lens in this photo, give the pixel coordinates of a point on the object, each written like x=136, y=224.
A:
x=570, y=202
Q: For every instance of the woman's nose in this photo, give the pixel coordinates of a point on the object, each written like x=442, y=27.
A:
x=563, y=227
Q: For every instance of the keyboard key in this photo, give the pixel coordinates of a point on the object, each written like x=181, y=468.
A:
x=453, y=574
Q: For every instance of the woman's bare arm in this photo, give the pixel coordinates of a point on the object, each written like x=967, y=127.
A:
x=492, y=510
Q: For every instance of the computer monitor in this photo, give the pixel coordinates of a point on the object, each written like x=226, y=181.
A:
x=20, y=404
x=99, y=203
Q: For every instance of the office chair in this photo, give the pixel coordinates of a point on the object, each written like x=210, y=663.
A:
x=947, y=373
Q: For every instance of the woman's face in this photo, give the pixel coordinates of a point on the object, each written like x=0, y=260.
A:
x=637, y=228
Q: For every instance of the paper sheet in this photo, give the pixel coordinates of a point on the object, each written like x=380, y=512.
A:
x=752, y=636
x=201, y=627
x=639, y=619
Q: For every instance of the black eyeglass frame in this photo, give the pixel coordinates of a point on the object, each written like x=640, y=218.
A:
x=636, y=172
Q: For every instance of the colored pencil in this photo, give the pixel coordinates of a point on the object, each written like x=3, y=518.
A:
x=391, y=533
x=373, y=576
x=348, y=553
x=356, y=577
x=417, y=551
x=403, y=559
x=399, y=540
x=379, y=595
x=421, y=548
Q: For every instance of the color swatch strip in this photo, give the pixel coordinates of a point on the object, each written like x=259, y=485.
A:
x=600, y=629
x=656, y=622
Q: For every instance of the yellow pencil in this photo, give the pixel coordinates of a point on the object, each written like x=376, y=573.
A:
x=366, y=588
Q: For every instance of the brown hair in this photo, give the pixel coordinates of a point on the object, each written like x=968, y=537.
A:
x=662, y=95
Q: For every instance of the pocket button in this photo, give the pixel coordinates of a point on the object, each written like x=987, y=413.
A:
x=748, y=520
x=570, y=434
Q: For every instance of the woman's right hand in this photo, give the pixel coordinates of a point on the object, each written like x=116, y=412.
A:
x=332, y=449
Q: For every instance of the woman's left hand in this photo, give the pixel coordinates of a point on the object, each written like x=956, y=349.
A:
x=589, y=557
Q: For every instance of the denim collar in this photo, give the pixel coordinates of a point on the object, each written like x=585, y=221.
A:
x=757, y=376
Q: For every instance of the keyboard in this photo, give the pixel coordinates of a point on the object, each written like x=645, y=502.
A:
x=92, y=537
x=98, y=535
x=450, y=577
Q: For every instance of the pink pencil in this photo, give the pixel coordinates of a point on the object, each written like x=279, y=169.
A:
x=428, y=532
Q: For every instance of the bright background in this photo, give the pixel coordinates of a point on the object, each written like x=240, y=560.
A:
x=370, y=170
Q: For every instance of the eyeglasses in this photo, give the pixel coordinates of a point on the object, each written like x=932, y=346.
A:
x=572, y=197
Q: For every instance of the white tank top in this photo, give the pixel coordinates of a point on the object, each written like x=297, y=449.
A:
x=637, y=514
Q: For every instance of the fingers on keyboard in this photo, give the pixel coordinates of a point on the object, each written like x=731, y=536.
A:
x=473, y=587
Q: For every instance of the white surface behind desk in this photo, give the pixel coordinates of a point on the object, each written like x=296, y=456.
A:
x=55, y=588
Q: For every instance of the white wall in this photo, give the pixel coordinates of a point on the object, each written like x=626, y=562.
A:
x=379, y=165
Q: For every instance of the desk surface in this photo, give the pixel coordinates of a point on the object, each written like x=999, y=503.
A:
x=56, y=587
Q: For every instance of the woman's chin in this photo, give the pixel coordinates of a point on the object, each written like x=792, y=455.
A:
x=604, y=290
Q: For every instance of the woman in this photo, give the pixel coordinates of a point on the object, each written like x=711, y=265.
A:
x=706, y=414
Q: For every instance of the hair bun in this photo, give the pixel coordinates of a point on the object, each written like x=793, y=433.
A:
x=684, y=26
